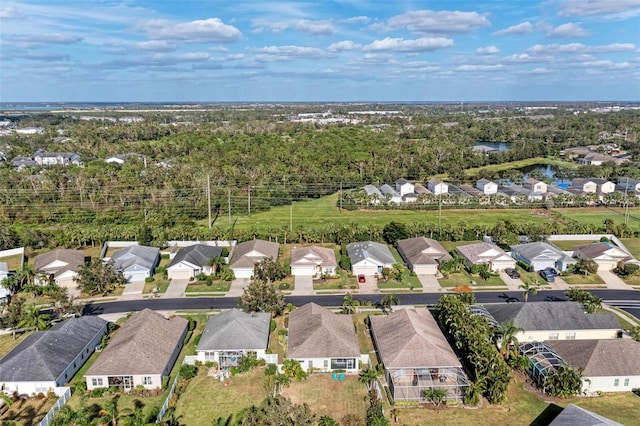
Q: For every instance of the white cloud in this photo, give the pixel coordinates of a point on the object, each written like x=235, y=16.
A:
x=303, y=25
x=27, y=41
x=606, y=64
x=343, y=45
x=525, y=57
x=521, y=28
x=194, y=56
x=200, y=31
x=417, y=45
x=441, y=22
x=120, y=47
x=357, y=20
x=420, y=66
x=487, y=50
x=544, y=49
x=473, y=68
x=378, y=58
x=617, y=8
x=287, y=53
x=9, y=13
x=568, y=30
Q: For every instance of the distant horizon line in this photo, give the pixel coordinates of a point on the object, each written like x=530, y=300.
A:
x=398, y=102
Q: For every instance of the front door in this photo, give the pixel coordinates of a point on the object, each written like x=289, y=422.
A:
x=127, y=382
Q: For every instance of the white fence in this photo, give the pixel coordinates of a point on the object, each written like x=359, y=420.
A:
x=165, y=405
x=59, y=404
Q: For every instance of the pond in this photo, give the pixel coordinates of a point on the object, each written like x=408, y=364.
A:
x=540, y=171
x=489, y=146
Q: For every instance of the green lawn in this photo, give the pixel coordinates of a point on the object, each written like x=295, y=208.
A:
x=464, y=278
x=7, y=342
x=216, y=286
x=13, y=262
x=344, y=281
x=633, y=245
x=591, y=279
x=27, y=412
x=408, y=283
x=633, y=280
x=520, y=164
x=570, y=244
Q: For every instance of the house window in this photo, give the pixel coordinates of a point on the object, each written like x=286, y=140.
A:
x=616, y=382
x=146, y=380
x=326, y=363
x=571, y=336
x=554, y=336
x=343, y=363
x=96, y=381
x=310, y=365
x=626, y=381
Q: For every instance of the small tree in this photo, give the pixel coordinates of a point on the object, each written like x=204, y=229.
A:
x=387, y=301
x=528, y=288
x=262, y=297
x=32, y=317
x=635, y=333
x=394, y=231
x=369, y=375
x=563, y=382
x=99, y=278
x=292, y=368
x=435, y=396
x=268, y=270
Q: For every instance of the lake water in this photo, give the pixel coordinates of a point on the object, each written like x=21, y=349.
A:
x=547, y=171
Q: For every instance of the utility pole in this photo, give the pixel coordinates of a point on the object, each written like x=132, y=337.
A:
x=291, y=217
x=229, y=201
x=340, y=195
x=626, y=202
x=209, y=198
x=249, y=199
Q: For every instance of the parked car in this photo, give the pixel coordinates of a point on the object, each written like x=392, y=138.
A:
x=512, y=273
x=551, y=271
x=547, y=276
x=361, y=278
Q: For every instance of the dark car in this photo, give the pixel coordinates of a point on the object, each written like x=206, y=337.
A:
x=361, y=278
x=551, y=271
x=513, y=274
x=549, y=277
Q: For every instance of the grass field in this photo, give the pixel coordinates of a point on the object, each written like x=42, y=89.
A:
x=520, y=164
x=575, y=279
x=7, y=342
x=13, y=262
x=571, y=244
x=464, y=278
x=633, y=245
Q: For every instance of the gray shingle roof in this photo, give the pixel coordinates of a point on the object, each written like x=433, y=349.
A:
x=607, y=357
x=143, y=256
x=480, y=252
x=197, y=254
x=573, y=415
x=372, y=190
x=370, y=250
x=73, y=259
x=250, y=252
x=551, y=316
x=313, y=256
x=234, y=330
x=595, y=250
x=143, y=345
x=44, y=355
x=422, y=251
x=411, y=338
x=316, y=332
x=531, y=251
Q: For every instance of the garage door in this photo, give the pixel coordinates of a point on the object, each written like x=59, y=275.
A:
x=307, y=271
x=365, y=270
x=425, y=269
x=243, y=272
x=180, y=274
x=539, y=266
x=137, y=276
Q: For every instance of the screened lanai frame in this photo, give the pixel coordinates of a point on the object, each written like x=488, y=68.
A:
x=409, y=384
x=480, y=310
x=543, y=360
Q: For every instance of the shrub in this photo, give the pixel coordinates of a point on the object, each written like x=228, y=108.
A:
x=80, y=386
x=187, y=371
x=40, y=395
x=389, y=396
x=98, y=392
x=283, y=286
x=272, y=326
x=148, y=279
x=196, y=340
x=192, y=323
x=165, y=382
x=271, y=370
x=187, y=337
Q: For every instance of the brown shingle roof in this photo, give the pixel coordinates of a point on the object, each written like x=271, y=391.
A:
x=411, y=338
x=73, y=259
x=610, y=357
x=480, y=252
x=248, y=253
x=316, y=332
x=314, y=255
x=143, y=345
x=422, y=251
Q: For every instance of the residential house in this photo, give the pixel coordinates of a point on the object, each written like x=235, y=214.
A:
x=542, y=321
x=416, y=355
x=595, y=159
x=572, y=415
x=4, y=270
x=141, y=353
x=247, y=254
x=582, y=185
x=468, y=189
x=604, y=186
x=322, y=340
x=437, y=186
x=373, y=193
x=390, y=194
x=136, y=262
x=535, y=185
x=44, y=158
x=541, y=255
x=233, y=334
x=404, y=187
x=4, y=292
x=628, y=185
x=47, y=360
x=487, y=254
x=369, y=258
x=59, y=266
x=122, y=158
x=20, y=163
x=313, y=261
x=611, y=365
x=192, y=261
x=605, y=254
x=487, y=187
x=422, y=255
x=410, y=198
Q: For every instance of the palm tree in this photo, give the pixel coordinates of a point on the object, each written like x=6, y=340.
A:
x=529, y=288
x=369, y=375
x=435, y=396
x=507, y=332
x=350, y=305
x=280, y=381
x=32, y=317
x=387, y=301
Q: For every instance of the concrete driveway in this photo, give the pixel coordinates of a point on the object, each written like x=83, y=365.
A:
x=370, y=286
x=303, y=286
x=237, y=287
x=613, y=281
x=512, y=284
x=132, y=291
x=176, y=289
x=430, y=284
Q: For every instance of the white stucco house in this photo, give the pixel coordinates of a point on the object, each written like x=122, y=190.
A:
x=192, y=261
x=605, y=254
x=313, y=261
x=248, y=253
x=322, y=340
x=488, y=254
x=60, y=266
x=404, y=187
x=48, y=360
x=369, y=258
x=422, y=255
x=437, y=187
x=487, y=187
x=540, y=255
x=136, y=262
x=232, y=334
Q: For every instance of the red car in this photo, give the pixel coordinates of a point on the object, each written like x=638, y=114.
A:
x=361, y=278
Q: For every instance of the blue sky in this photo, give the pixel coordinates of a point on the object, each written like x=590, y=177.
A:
x=330, y=50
